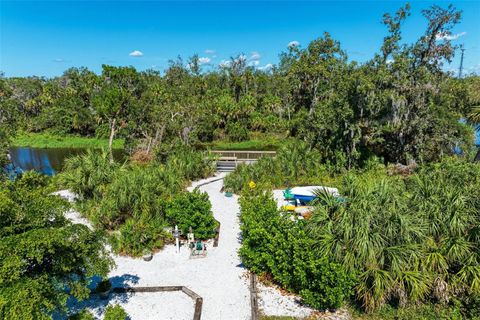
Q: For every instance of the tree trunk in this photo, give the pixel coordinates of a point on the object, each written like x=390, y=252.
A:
x=112, y=135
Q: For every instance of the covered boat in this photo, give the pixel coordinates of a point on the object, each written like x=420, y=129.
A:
x=307, y=194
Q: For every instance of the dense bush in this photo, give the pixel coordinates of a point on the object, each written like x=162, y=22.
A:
x=273, y=244
x=135, y=192
x=130, y=201
x=410, y=239
x=44, y=259
x=192, y=209
x=115, y=312
x=295, y=164
x=88, y=174
x=139, y=234
x=190, y=164
x=82, y=315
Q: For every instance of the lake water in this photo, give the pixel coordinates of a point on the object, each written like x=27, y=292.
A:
x=48, y=161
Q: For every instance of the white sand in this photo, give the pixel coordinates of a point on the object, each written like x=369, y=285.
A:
x=155, y=305
x=219, y=278
x=272, y=302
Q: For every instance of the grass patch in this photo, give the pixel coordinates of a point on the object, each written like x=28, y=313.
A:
x=257, y=142
x=46, y=140
x=412, y=312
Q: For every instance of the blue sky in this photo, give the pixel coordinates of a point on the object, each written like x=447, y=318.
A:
x=45, y=38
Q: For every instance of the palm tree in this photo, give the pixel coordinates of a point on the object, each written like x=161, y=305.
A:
x=474, y=115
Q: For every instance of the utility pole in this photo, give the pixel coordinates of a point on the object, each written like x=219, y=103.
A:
x=461, y=62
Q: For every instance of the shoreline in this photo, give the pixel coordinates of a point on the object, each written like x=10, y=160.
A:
x=52, y=141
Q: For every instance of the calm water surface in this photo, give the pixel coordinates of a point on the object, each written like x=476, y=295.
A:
x=48, y=161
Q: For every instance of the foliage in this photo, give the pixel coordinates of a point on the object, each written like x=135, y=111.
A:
x=409, y=238
x=275, y=245
x=88, y=174
x=103, y=286
x=192, y=209
x=139, y=234
x=131, y=201
x=327, y=285
x=294, y=164
x=44, y=259
x=414, y=312
x=82, y=315
x=191, y=164
x=46, y=140
x=115, y=312
x=395, y=240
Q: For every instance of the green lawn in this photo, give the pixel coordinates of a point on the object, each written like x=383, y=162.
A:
x=256, y=143
x=45, y=140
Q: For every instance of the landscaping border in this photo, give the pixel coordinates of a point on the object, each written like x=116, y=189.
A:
x=197, y=315
x=253, y=296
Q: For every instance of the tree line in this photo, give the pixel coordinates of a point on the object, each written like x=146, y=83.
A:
x=400, y=105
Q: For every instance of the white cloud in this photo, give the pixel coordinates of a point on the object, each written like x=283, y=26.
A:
x=255, y=56
x=136, y=53
x=224, y=63
x=59, y=60
x=209, y=51
x=293, y=43
x=254, y=63
x=449, y=36
x=204, y=60
x=266, y=67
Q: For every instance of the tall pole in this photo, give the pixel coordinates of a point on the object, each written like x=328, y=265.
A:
x=461, y=62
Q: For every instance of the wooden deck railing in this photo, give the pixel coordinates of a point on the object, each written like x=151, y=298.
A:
x=242, y=155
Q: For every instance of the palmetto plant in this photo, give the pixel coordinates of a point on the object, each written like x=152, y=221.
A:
x=87, y=174
x=407, y=240
x=474, y=115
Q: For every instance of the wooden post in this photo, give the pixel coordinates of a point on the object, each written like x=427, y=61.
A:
x=253, y=296
x=197, y=315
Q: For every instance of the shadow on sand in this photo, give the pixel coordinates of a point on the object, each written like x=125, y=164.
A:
x=96, y=304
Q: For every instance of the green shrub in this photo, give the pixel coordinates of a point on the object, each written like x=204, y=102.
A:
x=192, y=209
x=275, y=245
x=294, y=164
x=136, y=191
x=136, y=235
x=88, y=174
x=115, y=312
x=327, y=285
x=82, y=315
x=237, y=132
x=130, y=201
x=408, y=238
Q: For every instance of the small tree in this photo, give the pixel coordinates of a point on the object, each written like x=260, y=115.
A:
x=44, y=258
x=115, y=312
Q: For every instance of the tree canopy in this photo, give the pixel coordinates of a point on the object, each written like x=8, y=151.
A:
x=400, y=105
x=44, y=258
